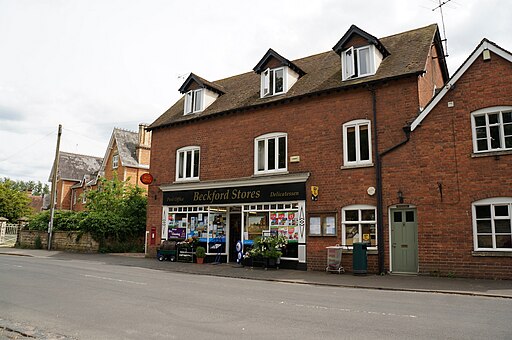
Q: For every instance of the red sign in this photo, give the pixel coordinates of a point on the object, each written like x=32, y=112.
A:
x=146, y=178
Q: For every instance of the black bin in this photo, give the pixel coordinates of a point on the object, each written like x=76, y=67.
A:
x=359, y=259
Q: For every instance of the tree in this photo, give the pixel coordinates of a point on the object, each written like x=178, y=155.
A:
x=115, y=211
x=37, y=189
x=13, y=203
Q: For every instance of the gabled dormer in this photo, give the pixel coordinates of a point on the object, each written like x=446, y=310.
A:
x=361, y=53
x=278, y=74
x=199, y=94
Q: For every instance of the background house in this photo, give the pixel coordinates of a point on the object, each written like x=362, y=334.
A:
x=127, y=157
x=73, y=170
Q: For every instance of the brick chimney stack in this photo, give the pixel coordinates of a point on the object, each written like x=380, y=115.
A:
x=144, y=146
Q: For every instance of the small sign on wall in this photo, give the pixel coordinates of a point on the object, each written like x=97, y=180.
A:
x=314, y=193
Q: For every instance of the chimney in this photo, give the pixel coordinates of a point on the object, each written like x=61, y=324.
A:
x=144, y=146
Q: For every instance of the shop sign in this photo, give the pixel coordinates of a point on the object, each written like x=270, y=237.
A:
x=248, y=194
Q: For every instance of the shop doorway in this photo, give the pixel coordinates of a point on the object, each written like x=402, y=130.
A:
x=235, y=234
x=404, y=241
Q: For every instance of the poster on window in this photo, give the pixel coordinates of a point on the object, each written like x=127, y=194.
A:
x=284, y=223
x=177, y=233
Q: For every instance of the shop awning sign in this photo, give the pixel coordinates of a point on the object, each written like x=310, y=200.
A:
x=232, y=195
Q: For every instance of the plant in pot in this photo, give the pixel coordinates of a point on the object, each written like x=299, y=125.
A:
x=200, y=254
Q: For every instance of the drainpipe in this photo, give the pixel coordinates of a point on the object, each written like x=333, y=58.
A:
x=378, y=182
x=378, y=179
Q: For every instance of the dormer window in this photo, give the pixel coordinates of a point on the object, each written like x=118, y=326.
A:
x=272, y=81
x=361, y=53
x=194, y=101
x=277, y=73
x=358, y=62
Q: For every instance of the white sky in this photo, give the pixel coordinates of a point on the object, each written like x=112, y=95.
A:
x=92, y=65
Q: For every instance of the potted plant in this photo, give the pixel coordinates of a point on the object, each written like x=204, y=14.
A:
x=200, y=254
x=267, y=250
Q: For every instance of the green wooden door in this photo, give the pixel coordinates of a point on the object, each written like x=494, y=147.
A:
x=404, y=241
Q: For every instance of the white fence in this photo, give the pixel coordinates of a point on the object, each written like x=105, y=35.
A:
x=8, y=234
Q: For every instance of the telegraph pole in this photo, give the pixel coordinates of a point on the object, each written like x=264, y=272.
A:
x=53, y=194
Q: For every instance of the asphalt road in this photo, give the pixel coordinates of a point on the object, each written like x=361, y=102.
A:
x=55, y=298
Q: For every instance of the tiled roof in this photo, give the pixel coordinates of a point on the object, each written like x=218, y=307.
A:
x=73, y=166
x=408, y=55
x=127, y=142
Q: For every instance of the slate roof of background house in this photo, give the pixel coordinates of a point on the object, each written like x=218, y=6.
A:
x=73, y=166
x=408, y=55
x=127, y=142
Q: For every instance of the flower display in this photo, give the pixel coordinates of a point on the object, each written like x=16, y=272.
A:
x=268, y=247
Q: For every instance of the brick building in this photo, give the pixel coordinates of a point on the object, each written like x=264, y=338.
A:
x=455, y=175
x=127, y=157
x=293, y=148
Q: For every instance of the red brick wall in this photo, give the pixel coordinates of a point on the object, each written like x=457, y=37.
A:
x=440, y=151
x=314, y=127
x=432, y=77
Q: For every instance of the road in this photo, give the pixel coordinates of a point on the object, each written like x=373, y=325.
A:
x=89, y=299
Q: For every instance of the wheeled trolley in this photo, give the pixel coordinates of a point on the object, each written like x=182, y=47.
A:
x=169, y=255
x=167, y=251
x=334, y=259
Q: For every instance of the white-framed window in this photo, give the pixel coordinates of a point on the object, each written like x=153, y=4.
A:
x=273, y=81
x=492, y=224
x=115, y=161
x=194, y=101
x=492, y=129
x=187, y=163
x=358, y=62
x=357, y=145
x=270, y=153
x=359, y=224
x=84, y=197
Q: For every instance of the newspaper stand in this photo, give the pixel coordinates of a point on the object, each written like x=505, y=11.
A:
x=334, y=259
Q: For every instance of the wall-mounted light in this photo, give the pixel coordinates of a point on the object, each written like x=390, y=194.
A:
x=400, y=196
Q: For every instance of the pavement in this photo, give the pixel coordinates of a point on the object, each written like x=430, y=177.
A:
x=412, y=283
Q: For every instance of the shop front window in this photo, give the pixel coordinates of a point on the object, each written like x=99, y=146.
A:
x=205, y=226
x=273, y=219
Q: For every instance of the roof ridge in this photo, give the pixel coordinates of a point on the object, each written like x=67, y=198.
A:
x=78, y=154
x=409, y=31
x=126, y=130
x=328, y=51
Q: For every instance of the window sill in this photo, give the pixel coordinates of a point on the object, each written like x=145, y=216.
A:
x=357, y=166
x=273, y=95
x=322, y=235
x=194, y=180
x=491, y=153
x=498, y=253
x=263, y=174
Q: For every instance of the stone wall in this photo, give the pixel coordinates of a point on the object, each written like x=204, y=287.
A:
x=62, y=240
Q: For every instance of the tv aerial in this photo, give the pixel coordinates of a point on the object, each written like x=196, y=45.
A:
x=444, y=40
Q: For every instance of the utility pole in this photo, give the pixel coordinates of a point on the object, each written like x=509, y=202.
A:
x=53, y=194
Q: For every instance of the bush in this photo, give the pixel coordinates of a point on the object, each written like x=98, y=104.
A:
x=63, y=220
x=200, y=252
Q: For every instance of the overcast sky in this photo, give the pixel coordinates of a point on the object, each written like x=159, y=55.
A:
x=92, y=65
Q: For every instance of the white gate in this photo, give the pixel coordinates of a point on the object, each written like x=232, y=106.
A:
x=8, y=234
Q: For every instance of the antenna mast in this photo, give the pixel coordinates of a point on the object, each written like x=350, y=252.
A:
x=441, y=4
